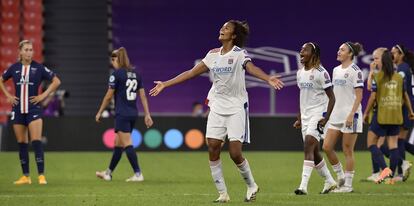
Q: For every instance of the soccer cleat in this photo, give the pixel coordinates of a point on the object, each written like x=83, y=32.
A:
x=42, y=180
x=300, y=191
x=341, y=182
x=103, y=175
x=23, y=180
x=328, y=187
x=223, y=198
x=343, y=189
x=406, y=167
x=372, y=177
x=136, y=178
x=251, y=193
x=386, y=173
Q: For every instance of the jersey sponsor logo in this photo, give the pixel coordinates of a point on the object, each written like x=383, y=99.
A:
x=34, y=69
x=339, y=82
x=222, y=70
x=305, y=85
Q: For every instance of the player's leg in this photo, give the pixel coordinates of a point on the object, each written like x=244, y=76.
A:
x=116, y=157
x=215, y=134
x=238, y=133
x=20, y=131
x=348, y=145
x=329, y=143
x=35, y=130
x=323, y=170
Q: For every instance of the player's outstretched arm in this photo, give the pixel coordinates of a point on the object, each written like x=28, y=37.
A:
x=147, y=118
x=195, y=71
x=273, y=81
x=105, y=102
x=10, y=98
x=52, y=87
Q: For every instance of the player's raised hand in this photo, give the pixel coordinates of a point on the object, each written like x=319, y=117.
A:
x=275, y=82
x=148, y=121
x=37, y=99
x=157, y=89
x=12, y=100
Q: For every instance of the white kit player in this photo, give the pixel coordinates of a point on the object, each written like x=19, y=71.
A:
x=346, y=119
x=316, y=104
x=228, y=102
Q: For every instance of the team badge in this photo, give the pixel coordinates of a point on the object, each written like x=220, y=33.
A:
x=112, y=78
x=311, y=77
x=230, y=61
x=346, y=75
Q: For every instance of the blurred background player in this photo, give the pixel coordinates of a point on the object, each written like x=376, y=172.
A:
x=388, y=93
x=316, y=98
x=124, y=84
x=346, y=118
x=198, y=110
x=26, y=115
x=228, y=102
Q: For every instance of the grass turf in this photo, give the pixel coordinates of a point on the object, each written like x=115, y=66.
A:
x=183, y=178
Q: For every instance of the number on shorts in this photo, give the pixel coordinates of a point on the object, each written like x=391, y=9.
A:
x=131, y=89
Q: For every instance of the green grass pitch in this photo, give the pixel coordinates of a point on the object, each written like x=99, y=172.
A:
x=183, y=178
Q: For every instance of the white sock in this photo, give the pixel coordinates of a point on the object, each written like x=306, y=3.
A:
x=349, y=176
x=108, y=171
x=306, y=173
x=246, y=173
x=217, y=174
x=338, y=170
x=323, y=171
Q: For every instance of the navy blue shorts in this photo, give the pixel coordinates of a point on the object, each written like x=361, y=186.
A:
x=383, y=130
x=407, y=124
x=124, y=124
x=25, y=119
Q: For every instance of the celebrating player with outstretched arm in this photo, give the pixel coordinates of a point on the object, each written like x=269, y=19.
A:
x=228, y=102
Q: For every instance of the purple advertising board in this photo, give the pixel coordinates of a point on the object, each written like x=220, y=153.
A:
x=167, y=37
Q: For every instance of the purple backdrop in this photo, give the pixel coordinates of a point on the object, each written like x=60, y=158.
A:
x=166, y=37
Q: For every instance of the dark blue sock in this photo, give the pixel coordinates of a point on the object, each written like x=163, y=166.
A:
x=409, y=147
x=24, y=157
x=401, y=151
x=384, y=149
x=378, y=156
x=375, y=166
x=116, y=156
x=133, y=159
x=39, y=155
x=394, y=159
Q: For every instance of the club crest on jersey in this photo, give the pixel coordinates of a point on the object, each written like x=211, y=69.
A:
x=230, y=61
x=346, y=75
x=311, y=77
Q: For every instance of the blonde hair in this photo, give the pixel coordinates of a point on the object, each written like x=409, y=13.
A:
x=122, y=60
x=21, y=45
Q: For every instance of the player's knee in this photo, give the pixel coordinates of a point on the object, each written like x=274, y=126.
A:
x=327, y=148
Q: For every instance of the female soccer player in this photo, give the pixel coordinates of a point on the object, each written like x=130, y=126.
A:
x=346, y=119
x=316, y=98
x=124, y=84
x=26, y=115
x=388, y=93
x=228, y=102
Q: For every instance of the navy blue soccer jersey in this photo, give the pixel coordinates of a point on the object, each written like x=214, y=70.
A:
x=405, y=71
x=27, y=80
x=126, y=84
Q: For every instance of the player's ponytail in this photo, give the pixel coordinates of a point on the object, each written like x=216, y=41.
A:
x=408, y=55
x=122, y=60
x=355, y=48
x=241, y=30
x=387, y=64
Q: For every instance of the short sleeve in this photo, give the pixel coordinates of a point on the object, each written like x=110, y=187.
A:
x=325, y=79
x=140, y=83
x=208, y=60
x=47, y=73
x=7, y=74
x=113, y=80
x=245, y=59
x=374, y=85
x=358, y=80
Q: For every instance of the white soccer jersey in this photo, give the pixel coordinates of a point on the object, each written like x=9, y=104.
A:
x=228, y=93
x=344, y=81
x=312, y=84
